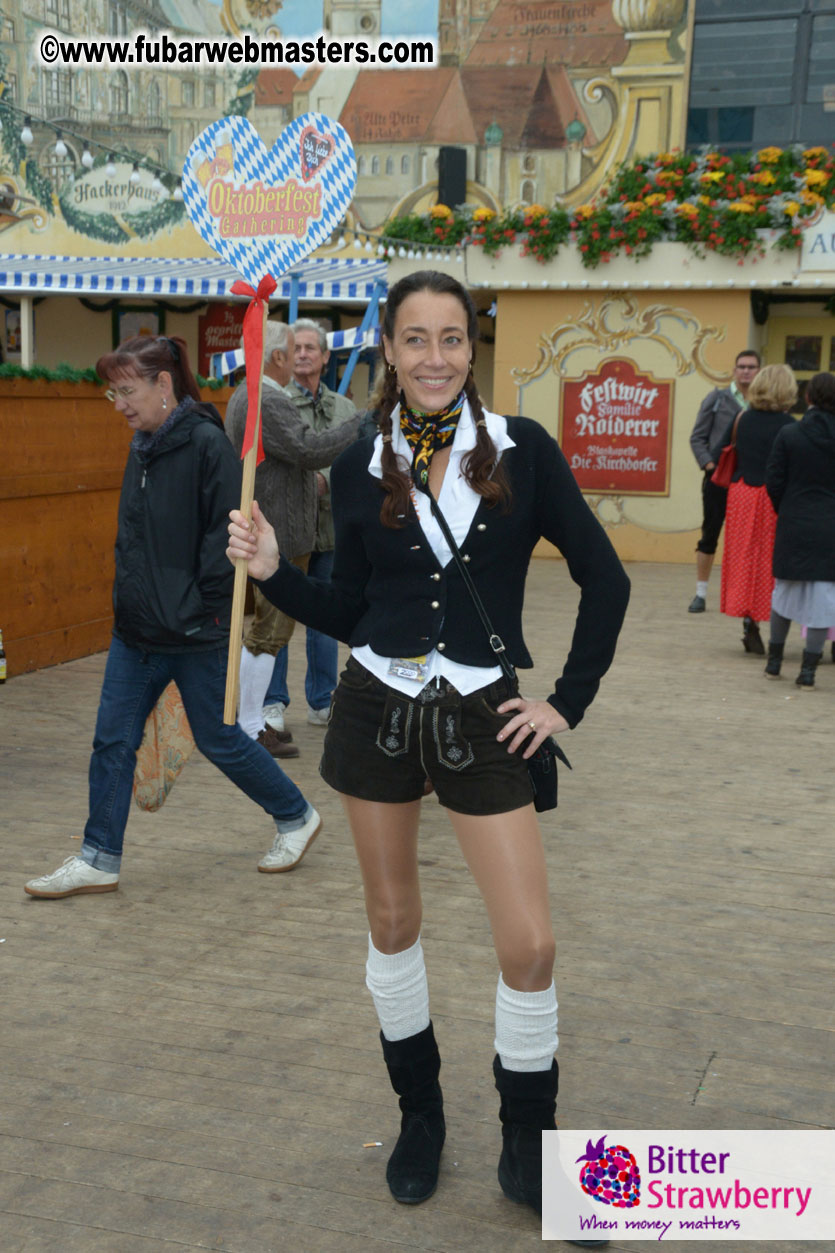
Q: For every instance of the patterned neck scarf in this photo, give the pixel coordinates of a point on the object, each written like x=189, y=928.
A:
x=428, y=432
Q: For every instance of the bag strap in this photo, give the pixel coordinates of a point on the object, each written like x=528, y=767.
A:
x=734, y=428
x=495, y=640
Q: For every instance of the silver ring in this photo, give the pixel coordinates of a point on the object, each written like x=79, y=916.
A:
x=532, y=726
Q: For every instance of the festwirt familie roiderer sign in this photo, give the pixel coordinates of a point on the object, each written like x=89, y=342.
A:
x=263, y=212
x=615, y=429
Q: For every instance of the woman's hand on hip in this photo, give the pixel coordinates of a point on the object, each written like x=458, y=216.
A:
x=533, y=722
x=254, y=543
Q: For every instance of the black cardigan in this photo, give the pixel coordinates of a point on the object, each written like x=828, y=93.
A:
x=389, y=591
x=755, y=437
x=801, y=483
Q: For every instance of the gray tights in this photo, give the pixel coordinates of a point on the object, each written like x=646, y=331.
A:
x=779, y=629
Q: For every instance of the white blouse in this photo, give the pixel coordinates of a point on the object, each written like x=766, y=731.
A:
x=458, y=503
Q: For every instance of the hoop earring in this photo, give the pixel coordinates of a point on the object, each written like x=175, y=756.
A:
x=391, y=367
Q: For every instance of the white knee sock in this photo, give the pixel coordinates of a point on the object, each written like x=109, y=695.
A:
x=397, y=983
x=526, y=1027
x=256, y=673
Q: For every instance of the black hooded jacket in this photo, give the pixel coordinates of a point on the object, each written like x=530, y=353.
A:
x=173, y=587
x=800, y=479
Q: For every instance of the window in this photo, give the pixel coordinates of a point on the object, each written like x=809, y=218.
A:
x=360, y=165
x=119, y=92
x=118, y=19
x=389, y=165
x=528, y=192
x=209, y=95
x=529, y=163
x=56, y=168
x=762, y=73
x=154, y=109
x=57, y=90
x=11, y=87
x=188, y=94
x=375, y=165
x=404, y=164
x=8, y=30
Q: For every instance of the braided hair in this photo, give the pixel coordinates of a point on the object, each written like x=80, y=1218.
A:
x=481, y=466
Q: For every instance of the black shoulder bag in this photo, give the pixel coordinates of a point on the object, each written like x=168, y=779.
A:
x=542, y=766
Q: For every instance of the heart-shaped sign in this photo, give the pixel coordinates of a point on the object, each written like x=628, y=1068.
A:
x=264, y=211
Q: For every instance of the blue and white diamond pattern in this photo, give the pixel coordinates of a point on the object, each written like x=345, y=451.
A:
x=256, y=256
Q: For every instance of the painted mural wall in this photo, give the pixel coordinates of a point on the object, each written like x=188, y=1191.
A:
x=543, y=97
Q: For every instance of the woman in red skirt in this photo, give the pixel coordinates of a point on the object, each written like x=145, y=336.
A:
x=747, y=581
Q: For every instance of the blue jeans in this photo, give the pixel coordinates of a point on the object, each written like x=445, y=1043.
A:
x=320, y=679
x=133, y=682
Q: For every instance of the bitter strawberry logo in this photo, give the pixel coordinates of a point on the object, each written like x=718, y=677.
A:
x=610, y=1175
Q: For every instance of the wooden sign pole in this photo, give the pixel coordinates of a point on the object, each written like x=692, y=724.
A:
x=233, y=665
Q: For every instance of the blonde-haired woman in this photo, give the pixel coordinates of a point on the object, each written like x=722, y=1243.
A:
x=747, y=581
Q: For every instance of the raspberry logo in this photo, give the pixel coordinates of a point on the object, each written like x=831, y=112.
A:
x=610, y=1175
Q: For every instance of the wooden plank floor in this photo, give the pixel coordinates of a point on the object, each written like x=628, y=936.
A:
x=192, y=1062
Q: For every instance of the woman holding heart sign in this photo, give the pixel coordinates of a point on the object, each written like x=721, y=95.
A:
x=423, y=696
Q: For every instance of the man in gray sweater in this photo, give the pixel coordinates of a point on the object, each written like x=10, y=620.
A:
x=286, y=490
x=715, y=412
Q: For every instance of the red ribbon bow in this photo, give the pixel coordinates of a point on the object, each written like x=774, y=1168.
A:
x=254, y=355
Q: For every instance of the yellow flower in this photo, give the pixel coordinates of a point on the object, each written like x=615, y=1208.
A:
x=688, y=210
x=791, y=207
x=811, y=197
x=767, y=156
x=814, y=178
x=741, y=206
x=764, y=177
x=440, y=211
x=584, y=210
x=704, y=199
x=631, y=206
x=483, y=214
x=712, y=176
x=656, y=197
x=810, y=153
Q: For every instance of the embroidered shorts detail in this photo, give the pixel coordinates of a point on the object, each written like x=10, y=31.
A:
x=381, y=745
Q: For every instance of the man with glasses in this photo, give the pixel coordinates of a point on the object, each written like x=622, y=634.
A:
x=716, y=412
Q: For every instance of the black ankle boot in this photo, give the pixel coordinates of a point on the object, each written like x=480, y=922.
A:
x=808, y=666
x=414, y=1065
x=775, y=660
x=751, y=639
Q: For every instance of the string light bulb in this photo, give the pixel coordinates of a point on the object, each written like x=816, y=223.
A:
x=110, y=168
x=60, y=146
x=135, y=176
x=26, y=136
x=178, y=190
x=87, y=159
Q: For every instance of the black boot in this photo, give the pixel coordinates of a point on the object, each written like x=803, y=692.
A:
x=413, y=1066
x=751, y=639
x=528, y=1107
x=808, y=666
x=775, y=660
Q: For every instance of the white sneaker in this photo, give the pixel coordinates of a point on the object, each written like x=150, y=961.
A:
x=274, y=716
x=289, y=847
x=72, y=878
x=318, y=717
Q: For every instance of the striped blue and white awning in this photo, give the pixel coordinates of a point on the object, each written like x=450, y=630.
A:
x=335, y=279
x=223, y=363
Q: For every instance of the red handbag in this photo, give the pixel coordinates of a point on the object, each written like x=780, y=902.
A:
x=726, y=465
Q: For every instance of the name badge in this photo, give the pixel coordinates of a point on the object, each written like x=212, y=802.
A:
x=409, y=668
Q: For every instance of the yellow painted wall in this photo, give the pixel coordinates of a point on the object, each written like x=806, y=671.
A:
x=690, y=338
